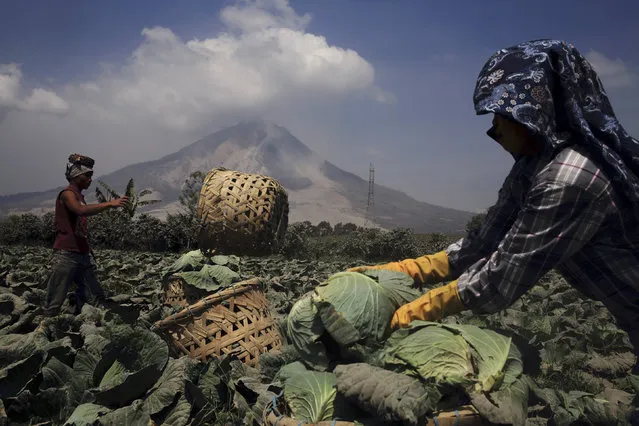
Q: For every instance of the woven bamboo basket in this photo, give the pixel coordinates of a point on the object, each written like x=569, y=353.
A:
x=241, y=212
x=464, y=416
x=235, y=321
x=177, y=294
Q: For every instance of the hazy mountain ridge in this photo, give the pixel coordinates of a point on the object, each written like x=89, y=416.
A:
x=318, y=190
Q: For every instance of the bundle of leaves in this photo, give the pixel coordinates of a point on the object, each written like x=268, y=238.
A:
x=203, y=275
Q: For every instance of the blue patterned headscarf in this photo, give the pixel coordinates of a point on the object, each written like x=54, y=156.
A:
x=550, y=88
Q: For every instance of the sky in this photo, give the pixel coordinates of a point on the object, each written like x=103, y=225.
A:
x=358, y=81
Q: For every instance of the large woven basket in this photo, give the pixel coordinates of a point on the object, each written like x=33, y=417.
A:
x=241, y=213
x=235, y=321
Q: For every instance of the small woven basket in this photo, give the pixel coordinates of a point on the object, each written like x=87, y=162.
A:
x=241, y=212
x=235, y=321
x=177, y=294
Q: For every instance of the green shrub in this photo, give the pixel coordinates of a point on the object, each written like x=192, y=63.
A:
x=114, y=229
x=295, y=243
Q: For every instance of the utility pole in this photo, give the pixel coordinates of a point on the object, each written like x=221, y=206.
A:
x=370, y=204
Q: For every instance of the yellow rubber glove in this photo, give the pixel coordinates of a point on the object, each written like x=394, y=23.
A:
x=432, y=306
x=428, y=269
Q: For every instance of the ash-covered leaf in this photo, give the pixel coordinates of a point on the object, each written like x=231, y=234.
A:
x=210, y=278
x=135, y=414
x=176, y=414
x=86, y=415
x=170, y=384
x=215, y=382
x=142, y=353
x=114, y=376
x=190, y=261
x=230, y=261
x=507, y=405
x=15, y=377
x=16, y=347
x=577, y=407
x=391, y=396
x=612, y=363
x=11, y=308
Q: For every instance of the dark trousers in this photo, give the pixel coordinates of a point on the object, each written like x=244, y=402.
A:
x=68, y=267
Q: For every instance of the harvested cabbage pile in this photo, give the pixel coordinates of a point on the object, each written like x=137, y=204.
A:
x=341, y=332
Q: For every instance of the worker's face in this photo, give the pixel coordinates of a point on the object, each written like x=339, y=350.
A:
x=84, y=180
x=514, y=137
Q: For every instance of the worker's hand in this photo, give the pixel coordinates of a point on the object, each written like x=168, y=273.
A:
x=428, y=269
x=432, y=306
x=119, y=202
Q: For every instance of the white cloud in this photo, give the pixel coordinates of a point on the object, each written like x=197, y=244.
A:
x=614, y=73
x=170, y=92
x=40, y=100
x=10, y=76
x=261, y=15
x=263, y=60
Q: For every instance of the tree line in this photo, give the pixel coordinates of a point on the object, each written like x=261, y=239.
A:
x=127, y=229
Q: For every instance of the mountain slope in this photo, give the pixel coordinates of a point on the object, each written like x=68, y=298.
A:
x=318, y=190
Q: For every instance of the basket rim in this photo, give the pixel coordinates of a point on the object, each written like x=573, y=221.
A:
x=191, y=310
x=215, y=170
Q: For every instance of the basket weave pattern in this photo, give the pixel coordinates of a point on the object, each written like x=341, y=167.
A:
x=234, y=321
x=174, y=293
x=241, y=211
x=177, y=294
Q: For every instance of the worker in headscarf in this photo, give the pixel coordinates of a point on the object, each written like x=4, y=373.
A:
x=72, y=261
x=570, y=202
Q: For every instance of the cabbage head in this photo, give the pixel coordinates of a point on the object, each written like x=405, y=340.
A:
x=346, y=310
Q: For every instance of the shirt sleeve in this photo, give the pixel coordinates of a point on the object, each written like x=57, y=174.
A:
x=555, y=221
x=481, y=242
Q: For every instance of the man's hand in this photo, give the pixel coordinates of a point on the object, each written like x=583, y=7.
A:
x=119, y=202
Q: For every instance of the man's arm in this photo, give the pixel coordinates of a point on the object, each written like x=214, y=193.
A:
x=91, y=209
x=556, y=221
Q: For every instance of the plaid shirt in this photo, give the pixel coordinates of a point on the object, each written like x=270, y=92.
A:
x=553, y=212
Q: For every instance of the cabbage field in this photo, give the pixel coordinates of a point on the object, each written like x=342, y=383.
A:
x=553, y=358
